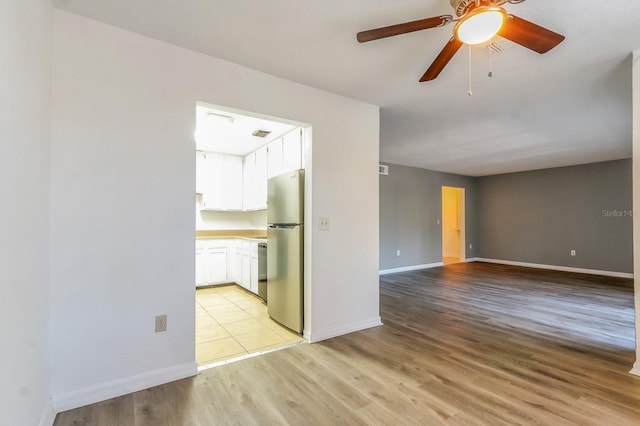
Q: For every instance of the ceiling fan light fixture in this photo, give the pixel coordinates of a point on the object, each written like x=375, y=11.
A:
x=480, y=25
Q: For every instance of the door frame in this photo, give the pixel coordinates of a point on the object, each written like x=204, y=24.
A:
x=462, y=214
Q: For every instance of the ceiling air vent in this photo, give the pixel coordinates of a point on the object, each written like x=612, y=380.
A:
x=383, y=169
x=261, y=133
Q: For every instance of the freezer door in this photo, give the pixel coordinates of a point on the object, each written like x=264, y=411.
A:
x=285, y=198
x=285, y=275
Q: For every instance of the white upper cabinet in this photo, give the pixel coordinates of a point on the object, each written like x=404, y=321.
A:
x=274, y=158
x=232, y=181
x=229, y=182
x=285, y=154
x=292, y=151
x=255, y=180
x=249, y=172
x=213, y=190
x=220, y=181
x=260, y=178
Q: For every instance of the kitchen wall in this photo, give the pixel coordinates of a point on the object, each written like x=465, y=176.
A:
x=636, y=198
x=123, y=158
x=208, y=219
x=410, y=208
x=539, y=216
x=25, y=111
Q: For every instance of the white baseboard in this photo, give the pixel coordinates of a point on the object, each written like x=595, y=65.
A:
x=636, y=369
x=558, y=268
x=123, y=386
x=317, y=336
x=48, y=414
x=471, y=259
x=410, y=268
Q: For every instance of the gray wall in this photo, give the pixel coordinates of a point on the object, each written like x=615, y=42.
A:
x=410, y=206
x=539, y=216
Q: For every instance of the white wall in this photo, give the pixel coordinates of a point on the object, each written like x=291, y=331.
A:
x=122, y=211
x=25, y=102
x=636, y=199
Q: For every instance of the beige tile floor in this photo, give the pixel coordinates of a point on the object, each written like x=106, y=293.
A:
x=231, y=322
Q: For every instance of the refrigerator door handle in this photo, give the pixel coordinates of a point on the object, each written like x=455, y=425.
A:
x=287, y=226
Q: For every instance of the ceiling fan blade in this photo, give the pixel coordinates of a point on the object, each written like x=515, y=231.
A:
x=407, y=27
x=529, y=35
x=441, y=61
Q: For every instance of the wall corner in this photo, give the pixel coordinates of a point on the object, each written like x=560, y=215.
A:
x=636, y=196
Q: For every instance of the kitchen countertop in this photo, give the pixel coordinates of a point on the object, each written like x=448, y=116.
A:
x=244, y=234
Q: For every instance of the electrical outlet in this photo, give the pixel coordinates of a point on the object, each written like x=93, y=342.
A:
x=438, y=221
x=398, y=253
x=323, y=224
x=161, y=323
x=573, y=252
x=470, y=246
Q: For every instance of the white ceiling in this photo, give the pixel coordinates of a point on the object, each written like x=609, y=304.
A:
x=228, y=132
x=569, y=106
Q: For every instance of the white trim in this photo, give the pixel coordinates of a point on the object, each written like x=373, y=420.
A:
x=472, y=259
x=123, y=386
x=558, y=268
x=410, y=268
x=48, y=416
x=339, y=331
x=636, y=369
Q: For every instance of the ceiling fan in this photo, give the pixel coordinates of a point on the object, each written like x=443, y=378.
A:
x=477, y=22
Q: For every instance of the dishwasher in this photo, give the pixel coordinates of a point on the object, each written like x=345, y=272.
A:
x=262, y=271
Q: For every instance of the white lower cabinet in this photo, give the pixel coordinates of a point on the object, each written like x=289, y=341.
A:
x=218, y=265
x=234, y=251
x=223, y=261
x=211, y=262
x=245, y=279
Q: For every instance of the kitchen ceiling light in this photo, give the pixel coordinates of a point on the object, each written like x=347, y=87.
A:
x=480, y=25
x=220, y=117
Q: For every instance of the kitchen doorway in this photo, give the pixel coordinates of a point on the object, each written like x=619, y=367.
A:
x=237, y=152
x=453, y=225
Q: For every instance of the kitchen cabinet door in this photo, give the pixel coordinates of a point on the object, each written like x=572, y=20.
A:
x=211, y=262
x=246, y=265
x=260, y=179
x=218, y=259
x=274, y=158
x=248, y=173
x=213, y=190
x=235, y=262
x=231, y=181
x=291, y=151
x=222, y=182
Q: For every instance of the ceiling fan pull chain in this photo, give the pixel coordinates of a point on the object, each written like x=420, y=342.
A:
x=470, y=92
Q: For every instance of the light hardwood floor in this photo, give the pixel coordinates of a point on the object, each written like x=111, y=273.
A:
x=472, y=344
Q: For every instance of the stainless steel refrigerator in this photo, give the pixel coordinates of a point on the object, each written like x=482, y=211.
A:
x=285, y=238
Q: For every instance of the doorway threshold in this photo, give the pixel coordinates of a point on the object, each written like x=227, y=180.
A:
x=247, y=356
